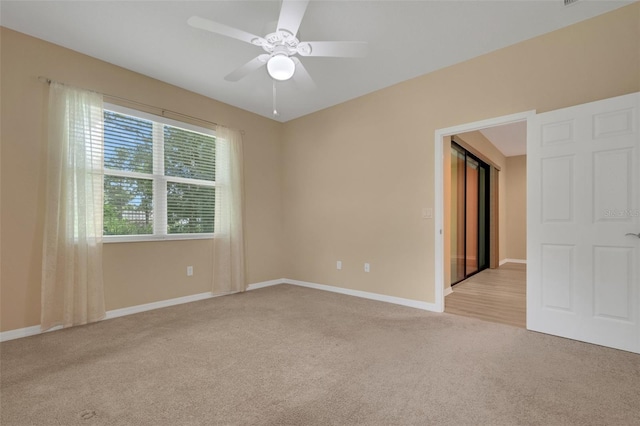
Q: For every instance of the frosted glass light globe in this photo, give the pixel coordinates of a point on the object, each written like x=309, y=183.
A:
x=281, y=67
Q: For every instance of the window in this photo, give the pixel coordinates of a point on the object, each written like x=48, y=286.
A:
x=159, y=177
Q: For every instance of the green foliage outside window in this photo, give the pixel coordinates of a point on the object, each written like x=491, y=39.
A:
x=129, y=201
x=189, y=155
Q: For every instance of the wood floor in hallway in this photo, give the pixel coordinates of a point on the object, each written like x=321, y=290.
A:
x=497, y=295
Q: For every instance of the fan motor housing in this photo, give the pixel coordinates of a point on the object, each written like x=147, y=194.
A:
x=279, y=41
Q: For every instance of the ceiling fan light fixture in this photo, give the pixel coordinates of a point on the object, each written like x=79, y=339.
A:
x=281, y=67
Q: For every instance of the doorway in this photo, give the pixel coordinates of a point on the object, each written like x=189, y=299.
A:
x=470, y=224
x=442, y=143
x=495, y=290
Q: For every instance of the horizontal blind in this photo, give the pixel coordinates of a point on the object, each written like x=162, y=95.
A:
x=174, y=195
x=189, y=155
x=190, y=208
x=128, y=143
x=128, y=206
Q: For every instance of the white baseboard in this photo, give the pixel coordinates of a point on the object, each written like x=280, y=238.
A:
x=115, y=313
x=448, y=291
x=24, y=332
x=357, y=293
x=20, y=332
x=503, y=261
x=263, y=284
x=157, y=305
x=426, y=306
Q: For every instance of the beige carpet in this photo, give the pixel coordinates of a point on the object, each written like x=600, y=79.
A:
x=286, y=355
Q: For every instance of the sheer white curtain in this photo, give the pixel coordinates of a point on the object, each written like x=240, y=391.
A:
x=228, y=250
x=72, y=290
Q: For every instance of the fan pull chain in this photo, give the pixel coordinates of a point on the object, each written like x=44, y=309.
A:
x=275, y=110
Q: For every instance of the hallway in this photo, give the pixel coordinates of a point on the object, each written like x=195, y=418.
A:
x=497, y=295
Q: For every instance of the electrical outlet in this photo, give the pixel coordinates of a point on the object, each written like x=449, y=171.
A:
x=189, y=271
x=367, y=267
x=427, y=213
x=339, y=265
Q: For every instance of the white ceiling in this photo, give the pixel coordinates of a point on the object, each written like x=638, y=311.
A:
x=406, y=39
x=510, y=139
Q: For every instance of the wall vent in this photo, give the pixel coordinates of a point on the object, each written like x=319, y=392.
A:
x=568, y=2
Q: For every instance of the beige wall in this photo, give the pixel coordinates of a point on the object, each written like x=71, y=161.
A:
x=134, y=273
x=516, y=205
x=358, y=174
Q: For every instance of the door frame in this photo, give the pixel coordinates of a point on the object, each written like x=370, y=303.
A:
x=438, y=168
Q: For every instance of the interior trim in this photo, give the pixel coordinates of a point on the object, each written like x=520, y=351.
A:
x=503, y=261
x=34, y=330
x=115, y=313
x=426, y=306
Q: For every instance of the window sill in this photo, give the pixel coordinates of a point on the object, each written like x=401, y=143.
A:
x=109, y=239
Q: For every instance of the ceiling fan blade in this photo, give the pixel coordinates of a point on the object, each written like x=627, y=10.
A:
x=338, y=49
x=225, y=30
x=291, y=14
x=251, y=66
x=302, y=77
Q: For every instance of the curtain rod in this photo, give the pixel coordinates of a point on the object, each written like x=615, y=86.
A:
x=47, y=80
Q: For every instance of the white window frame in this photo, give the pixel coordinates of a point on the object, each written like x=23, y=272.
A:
x=158, y=178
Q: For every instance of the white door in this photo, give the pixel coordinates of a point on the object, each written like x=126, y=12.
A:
x=583, y=198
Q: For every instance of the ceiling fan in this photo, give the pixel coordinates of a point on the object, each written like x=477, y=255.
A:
x=282, y=46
